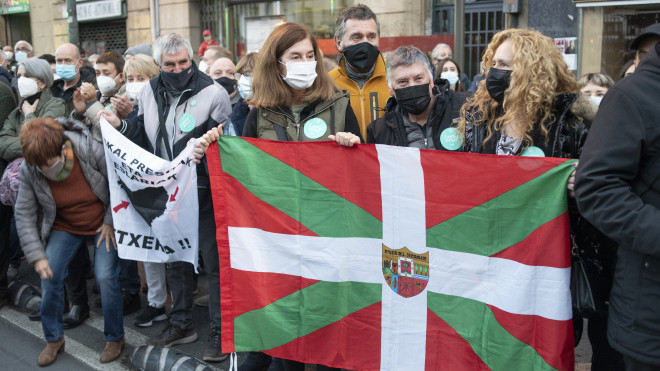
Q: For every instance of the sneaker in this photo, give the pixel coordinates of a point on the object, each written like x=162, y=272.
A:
x=130, y=302
x=12, y=273
x=149, y=316
x=212, y=353
x=202, y=301
x=172, y=335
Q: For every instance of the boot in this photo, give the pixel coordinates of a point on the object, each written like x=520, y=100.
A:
x=112, y=350
x=50, y=352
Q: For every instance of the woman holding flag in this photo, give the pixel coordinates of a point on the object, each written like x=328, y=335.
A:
x=530, y=105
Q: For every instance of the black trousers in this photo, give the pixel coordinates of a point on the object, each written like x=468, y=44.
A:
x=634, y=365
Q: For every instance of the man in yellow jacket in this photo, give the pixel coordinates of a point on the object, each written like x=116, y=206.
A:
x=361, y=69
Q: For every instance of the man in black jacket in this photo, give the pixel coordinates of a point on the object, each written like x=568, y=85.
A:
x=618, y=191
x=420, y=112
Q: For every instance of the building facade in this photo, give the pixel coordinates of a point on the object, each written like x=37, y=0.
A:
x=593, y=34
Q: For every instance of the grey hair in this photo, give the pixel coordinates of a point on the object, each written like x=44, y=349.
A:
x=437, y=48
x=405, y=56
x=360, y=12
x=22, y=42
x=3, y=56
x=170, y=44
x=38, y=68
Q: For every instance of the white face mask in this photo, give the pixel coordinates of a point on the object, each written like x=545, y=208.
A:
x=21, y=56
x=9, y=55
x=106, y=84
x=27, y=87
x=133, y=89
x=596, y=100
x=245, y=87
x=300, y=75
x=203, y=67
x=450, y=76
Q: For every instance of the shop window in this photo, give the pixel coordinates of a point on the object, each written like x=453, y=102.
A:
x=100, y=37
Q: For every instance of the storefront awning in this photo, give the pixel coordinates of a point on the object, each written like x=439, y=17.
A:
x=16, y=6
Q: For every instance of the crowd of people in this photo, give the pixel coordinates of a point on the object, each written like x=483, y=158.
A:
x=525, y=102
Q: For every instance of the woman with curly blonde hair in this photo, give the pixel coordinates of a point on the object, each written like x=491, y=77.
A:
x=530, y=105
x=529, y=94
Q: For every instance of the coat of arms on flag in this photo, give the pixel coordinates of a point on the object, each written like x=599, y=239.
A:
x=382, y=257
x=405, y=272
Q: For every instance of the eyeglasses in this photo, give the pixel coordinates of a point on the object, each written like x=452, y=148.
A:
x=23, y=49
x=246, y=74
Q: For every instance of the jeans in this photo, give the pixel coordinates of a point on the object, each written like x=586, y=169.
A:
x=5, y=248
x=62, y=247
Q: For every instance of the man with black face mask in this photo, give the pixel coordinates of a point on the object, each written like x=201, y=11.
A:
x=361, y=69
x=222, y=71
x=421, y=111
x=181, y=104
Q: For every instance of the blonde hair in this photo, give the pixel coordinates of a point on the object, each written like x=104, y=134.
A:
x=268, y=87
x=142, y=64
x=539, y=75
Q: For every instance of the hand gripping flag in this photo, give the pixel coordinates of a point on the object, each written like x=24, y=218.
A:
x=154, y=201
x=382, y=257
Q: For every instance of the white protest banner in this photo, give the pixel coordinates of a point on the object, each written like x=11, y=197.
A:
x=154, y=201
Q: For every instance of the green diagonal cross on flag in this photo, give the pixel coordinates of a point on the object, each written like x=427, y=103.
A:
x=305, y=275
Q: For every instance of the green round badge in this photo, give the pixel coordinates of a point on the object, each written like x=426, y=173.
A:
x=451, y=138
x=533, y=151
x=193, y=102
x=186, y=122
x=315, y=128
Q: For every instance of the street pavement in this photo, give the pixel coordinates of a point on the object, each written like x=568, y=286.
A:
x=21, y=340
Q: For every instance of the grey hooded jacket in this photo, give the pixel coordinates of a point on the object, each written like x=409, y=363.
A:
x=35, y=208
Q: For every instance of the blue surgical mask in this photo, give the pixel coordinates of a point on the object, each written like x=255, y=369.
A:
x=66, y=71
x=21, y=56
x=596, y=100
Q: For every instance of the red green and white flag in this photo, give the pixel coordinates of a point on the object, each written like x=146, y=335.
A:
x=390, y=258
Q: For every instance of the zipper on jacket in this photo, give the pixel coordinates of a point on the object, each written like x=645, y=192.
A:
x=297, y=125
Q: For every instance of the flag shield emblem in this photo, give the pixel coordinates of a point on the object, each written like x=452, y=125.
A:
x=406, y=272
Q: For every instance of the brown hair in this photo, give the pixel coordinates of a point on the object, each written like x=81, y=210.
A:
x=268, y=87
x=112, y=57
x=247, y=63
x=459, y=83
x=41, y=139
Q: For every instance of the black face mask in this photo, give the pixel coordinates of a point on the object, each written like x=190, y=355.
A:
x=227, y=83
x=361, y=56
x=31, y=99
x=497, y=82
x=413, y=99
x=179, y=80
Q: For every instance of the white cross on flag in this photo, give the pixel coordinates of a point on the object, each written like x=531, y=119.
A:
x=381, y=257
